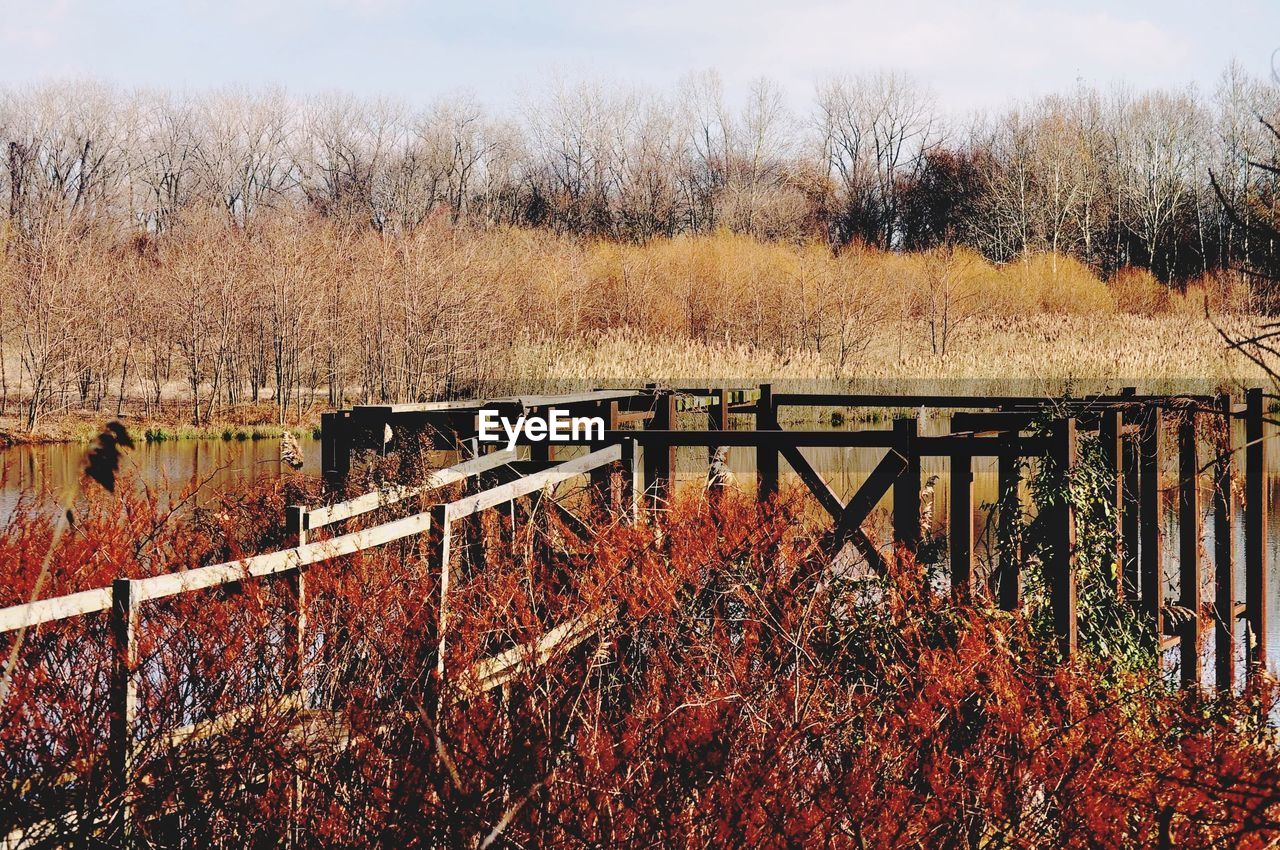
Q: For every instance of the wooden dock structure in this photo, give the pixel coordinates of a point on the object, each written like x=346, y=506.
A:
x=631, y=469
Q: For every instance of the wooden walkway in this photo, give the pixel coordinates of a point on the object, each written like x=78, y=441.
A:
x=1010, y=429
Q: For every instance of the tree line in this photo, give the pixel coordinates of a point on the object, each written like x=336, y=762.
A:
x=1115, y=178
x=237, y=247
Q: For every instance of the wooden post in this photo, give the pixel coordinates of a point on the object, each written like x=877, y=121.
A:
x=766, y=458
x=1189, y=550
x=123, y=706
x=1255, y=527
x=660, y=461
x=1061, y=573
x=1129, y=523
x=1110, y=433
x=296, y=658
x=906, y=489
x=718, y=418
x=328, y=443
x=541, y=450
x=602, y=478
x=335, y=445
x=296, y=522
x=628, y=489
x=440, y=534
x=1151, y=519
x=960, y=535
x=1224, y=555
x=1009, y=583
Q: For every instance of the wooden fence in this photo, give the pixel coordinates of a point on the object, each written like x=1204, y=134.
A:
x=125, y=598
x=1010, y=429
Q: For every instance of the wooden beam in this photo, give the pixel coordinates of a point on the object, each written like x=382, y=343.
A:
x=505, y=666
x=868, y=495
x=766, y=456
x=602, y=478
x=1151, y=520
x=1129, y=519
x=123, y=707
x=906, y=487
x=818, y=486
x=1109, y=434
x=532, y=483
x=1224, y=556
x=964, y=402
x=57, y=608
x=1257, y=598
x=718, y=418
x=774, y=440
x=158, y=587
x=1189, y=549
x=1009, y=517
x=960, y=529
x=1060, y=567
x=441, y=544
x=630, y=486
x=526, y=402
x=660, y=457
x=296, y=524
x=440, y=478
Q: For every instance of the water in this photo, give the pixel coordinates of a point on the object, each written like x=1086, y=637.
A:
x=210, y=468
x=214, y=467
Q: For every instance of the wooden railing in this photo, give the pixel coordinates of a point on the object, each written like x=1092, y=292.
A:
x=1128, y=425
x=125, y=598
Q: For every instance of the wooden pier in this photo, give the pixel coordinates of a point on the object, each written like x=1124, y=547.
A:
x=631, y=468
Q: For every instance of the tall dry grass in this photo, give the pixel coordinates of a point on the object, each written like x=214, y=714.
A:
x=301, y=313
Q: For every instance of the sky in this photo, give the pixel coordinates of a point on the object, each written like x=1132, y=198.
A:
x=973, y=55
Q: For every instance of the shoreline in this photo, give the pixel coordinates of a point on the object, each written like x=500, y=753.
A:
x=83, y=427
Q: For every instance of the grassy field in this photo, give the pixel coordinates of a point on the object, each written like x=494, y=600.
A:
x=1046, y=352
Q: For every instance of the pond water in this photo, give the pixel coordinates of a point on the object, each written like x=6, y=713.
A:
x=208, y=467
x=32, y=476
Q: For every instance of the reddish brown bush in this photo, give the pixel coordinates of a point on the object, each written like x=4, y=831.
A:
x=740, y=692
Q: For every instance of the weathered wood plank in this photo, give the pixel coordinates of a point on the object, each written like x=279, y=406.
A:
x=1256, y=596
x=532, y=483
x=1109, y=433
x=868, y=495
x=960, y=530
x=1062, y=567
x=362, y=504
x=1224, y=557
x=158, y=587
x=817, y=485
x=123, y=707
x=775, y=440
x=1009, y=507
x=961, y=401
x=58, y=608
x=1189, y=550
x=1150, y=520
x=906, y=488
x=766, y=451
x=496, y=671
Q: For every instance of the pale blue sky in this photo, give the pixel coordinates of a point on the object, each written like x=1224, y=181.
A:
x=975, y=54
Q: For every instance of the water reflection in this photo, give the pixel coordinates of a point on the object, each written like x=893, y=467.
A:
x=167, y=468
